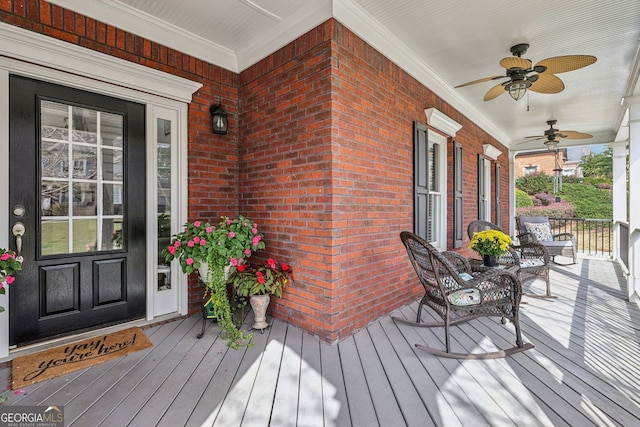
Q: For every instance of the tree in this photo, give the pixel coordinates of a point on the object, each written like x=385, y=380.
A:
x=598, y=165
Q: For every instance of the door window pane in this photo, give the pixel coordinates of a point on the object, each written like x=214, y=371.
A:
x=87, y=171
x=164, y=200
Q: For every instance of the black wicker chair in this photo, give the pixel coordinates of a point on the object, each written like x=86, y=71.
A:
x=458, y=295
x=532, y=259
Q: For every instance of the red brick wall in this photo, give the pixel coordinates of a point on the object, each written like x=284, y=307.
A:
x=545, y=160
x=327, y=143
x=324, y=164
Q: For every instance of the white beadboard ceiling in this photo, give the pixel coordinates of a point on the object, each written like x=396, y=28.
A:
x=441, y=43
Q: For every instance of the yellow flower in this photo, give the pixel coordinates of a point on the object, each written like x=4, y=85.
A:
x=490, y=242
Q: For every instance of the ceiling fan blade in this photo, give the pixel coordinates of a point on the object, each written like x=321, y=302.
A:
x=562, y=64
x=494, y=92
x=515, y=62
x=547, y=83
x=572, y=134
x=486, y=79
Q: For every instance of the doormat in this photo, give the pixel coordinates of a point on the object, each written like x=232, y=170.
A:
x=33, y=368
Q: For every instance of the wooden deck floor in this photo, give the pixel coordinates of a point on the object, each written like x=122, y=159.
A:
x=583, y=371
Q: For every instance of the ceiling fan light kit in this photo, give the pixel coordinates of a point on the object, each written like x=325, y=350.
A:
x=540, y=78
x=516, y=89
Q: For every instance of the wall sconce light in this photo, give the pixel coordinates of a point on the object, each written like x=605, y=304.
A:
x=219, y=121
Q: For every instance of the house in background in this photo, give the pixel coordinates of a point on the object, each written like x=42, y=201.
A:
x=540, y=162
x=333, y=148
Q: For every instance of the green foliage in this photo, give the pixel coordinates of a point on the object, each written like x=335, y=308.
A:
x=589, y=201
x=535, y=183
x=522, y=199
x=598, y=165
x=555, y=210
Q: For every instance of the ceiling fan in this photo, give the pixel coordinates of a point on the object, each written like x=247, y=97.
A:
x=539, y=78
x=552, y=136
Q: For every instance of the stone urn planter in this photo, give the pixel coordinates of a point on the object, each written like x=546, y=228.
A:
x=259, y=304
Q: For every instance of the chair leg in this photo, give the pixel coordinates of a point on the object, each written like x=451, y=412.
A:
x=419, y=310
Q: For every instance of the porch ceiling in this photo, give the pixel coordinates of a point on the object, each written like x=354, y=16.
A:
x=442, y=44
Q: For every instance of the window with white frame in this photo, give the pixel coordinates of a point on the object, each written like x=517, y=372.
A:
x=430, y=181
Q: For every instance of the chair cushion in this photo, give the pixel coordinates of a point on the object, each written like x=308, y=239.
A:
x=464, y=297
x=531, y=262
x=542, y=231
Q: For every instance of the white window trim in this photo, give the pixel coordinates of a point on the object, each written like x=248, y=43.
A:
x=30, y=54
x=440, y=224
x=487, y=189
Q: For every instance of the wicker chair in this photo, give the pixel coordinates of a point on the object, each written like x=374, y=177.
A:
x=532, y=259
x=458, y=295
x=537, y=229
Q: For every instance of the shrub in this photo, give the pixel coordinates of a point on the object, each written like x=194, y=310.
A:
x=545, y=199
x=555, y=210
x=535, y=183
x=589, y=201
x=523, y=199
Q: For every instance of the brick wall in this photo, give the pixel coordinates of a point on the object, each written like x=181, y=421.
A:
x=326, y=130
x=544, y=160
x=319, y=153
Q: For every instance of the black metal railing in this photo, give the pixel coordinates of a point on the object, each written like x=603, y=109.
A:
x=594, y=236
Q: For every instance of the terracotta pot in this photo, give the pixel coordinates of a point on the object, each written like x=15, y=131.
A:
x=259, y=304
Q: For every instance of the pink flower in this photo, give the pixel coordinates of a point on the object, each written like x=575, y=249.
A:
x=172, y=250
x=256, y=240
x=177, y=244
x=190, y=243
x=234, y=261
x=231, y=234
x=208, y=229
x=272, y=263
x=229, y=221
x=285, y=267
x=244, y=224
x=196, y=239
x=4, y=256
x=196, y=223
x=254, y=230
x=9, y=279
x=255, y=225
x=203, y=242
x=189, y=261
x=247, y=251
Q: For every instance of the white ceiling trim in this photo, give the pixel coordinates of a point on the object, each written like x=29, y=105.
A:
x=285, y=32
x=125, y=17
x=97, y=68
x=359, y=21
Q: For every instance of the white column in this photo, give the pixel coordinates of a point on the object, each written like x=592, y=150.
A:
x=619, y=191
x=634, y=190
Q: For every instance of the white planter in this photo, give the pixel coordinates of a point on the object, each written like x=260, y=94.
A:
x=203, y=272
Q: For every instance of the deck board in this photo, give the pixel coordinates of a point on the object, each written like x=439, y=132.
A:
x=582, y=371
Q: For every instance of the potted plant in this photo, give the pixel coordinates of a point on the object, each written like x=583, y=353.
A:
x=9, y=264
x=490, y=244
x=215, y=252
x=258, y=282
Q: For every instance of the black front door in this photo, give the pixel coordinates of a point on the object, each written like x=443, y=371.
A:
x=77, y=184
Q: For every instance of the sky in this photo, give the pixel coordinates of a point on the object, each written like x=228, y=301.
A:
x=576, y=153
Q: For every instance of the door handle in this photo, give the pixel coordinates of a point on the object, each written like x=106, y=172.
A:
x=18, y=231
